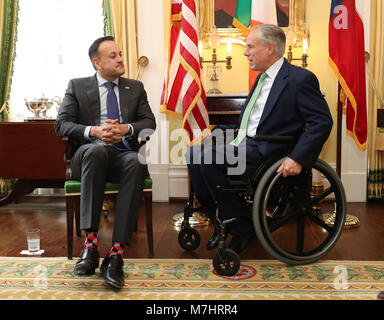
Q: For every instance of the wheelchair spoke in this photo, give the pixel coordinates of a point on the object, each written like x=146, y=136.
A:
x=320, y=222
x=276, y=223
x=320, y=197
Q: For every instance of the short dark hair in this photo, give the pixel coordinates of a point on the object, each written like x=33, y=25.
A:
x=92, y=52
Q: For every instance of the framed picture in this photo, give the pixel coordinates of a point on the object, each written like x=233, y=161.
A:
x=221, y=12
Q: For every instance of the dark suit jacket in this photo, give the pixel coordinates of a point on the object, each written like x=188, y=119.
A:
x=81, y=108
x=295, y=107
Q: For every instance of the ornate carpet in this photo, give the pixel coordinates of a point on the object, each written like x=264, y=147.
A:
x=35, y=278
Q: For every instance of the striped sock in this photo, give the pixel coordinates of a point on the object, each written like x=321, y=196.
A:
x=91, y=240
x=117, y=248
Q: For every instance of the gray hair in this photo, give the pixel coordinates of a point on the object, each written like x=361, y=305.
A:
x=272, y=33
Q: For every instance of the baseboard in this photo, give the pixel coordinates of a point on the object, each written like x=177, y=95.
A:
x=355, y=186
x=160, y=186
x=178, y=181
x=180, y=199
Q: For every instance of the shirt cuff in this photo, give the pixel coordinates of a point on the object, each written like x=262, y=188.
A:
x=86, y=133
x=131, y=131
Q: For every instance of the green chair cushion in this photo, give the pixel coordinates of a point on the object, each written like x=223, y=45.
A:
x=73, y=186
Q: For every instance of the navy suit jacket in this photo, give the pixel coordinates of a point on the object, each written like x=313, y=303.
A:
x=295, y=107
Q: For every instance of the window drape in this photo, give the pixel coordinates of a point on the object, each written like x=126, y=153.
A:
x=8, y=30
x=120, y=22
x=376, y=95
x=8, y=27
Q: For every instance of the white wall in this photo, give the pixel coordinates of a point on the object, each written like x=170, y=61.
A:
x=150, y=34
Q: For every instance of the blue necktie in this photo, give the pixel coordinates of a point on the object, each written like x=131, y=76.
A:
x=113, y=110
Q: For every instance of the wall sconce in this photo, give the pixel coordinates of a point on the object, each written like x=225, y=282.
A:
x=292, y=41
x=214, y=43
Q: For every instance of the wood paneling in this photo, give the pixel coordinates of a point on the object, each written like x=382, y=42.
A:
x=31, y=150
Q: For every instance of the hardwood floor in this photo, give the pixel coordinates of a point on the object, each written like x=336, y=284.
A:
x=48, y=213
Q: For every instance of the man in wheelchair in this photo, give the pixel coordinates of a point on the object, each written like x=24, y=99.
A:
x=284, y=101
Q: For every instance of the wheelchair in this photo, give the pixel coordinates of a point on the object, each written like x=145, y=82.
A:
x=284, y=212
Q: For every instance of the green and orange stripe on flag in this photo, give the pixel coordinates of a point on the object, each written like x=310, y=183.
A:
x=250, y=13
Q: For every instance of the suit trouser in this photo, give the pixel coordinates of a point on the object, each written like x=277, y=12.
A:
x=93, y=165
x=206, y=173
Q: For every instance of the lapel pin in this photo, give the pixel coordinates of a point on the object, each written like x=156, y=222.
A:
x=128, y=88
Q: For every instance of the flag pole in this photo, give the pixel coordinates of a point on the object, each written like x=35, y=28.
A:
x=339, y=130
x=351, y=221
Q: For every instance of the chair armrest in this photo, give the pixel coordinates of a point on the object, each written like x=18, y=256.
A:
x=67, y=157
x=142, y=143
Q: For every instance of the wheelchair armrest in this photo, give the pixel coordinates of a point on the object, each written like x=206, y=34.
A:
x=270, y=138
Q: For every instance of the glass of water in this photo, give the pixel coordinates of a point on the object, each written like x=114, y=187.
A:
x=33, y=238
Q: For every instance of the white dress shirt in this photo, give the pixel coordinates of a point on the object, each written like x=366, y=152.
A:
x=258, y=108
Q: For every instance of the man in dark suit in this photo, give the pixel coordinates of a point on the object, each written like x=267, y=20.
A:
x=285, y=100
x=103, y=115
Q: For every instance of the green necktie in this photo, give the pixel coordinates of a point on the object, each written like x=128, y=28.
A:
x=247, y=112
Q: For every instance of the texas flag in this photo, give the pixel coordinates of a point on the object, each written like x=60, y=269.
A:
x=250, y=13
x=347, y=59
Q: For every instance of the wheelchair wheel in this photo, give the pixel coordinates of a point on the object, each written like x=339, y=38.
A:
x=189, y=239
x=284, y=219
x=226, y=262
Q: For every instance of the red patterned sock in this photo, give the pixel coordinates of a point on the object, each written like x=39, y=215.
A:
x=91, y=240
x=117, y=248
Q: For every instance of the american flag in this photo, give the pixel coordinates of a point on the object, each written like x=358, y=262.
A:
x=183, y=94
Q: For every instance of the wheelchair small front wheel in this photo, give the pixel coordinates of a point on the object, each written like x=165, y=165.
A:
x=226, y=262
x=189, y=239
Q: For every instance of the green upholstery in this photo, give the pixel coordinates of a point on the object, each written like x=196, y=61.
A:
x=72, y=187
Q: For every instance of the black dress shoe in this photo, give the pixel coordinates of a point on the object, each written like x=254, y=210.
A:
x=240, y=243
x=112, y=269
x=89, y=261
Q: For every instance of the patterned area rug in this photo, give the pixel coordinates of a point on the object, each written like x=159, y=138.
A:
x=162, y=279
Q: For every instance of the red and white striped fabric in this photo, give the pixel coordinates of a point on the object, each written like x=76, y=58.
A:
x=183, y=94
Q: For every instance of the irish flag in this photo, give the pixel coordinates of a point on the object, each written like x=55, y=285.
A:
x=250, y=13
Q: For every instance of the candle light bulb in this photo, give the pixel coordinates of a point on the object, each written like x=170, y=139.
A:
x=305, y=46
x=200, y=48
x=229, y=47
